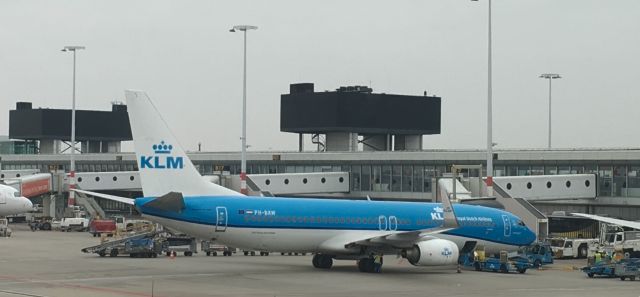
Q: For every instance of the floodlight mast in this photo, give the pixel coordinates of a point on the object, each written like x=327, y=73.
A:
x=243, y=161
x=72, y=169
x=550, y=76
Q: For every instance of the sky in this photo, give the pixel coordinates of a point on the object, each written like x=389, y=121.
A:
x=183, y=55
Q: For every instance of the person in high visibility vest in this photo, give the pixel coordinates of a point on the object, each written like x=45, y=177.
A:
x=377, y=263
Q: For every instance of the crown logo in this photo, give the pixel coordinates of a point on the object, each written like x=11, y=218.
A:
x=162, y=148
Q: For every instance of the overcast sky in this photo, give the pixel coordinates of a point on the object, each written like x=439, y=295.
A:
x=183, y=55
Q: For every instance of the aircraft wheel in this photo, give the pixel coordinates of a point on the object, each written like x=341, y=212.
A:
x=253, y=253
x=537, y=263
x=477, y=266
x=113, y=253
x=365, y=265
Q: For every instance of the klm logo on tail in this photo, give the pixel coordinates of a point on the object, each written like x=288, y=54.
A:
x=162, y=158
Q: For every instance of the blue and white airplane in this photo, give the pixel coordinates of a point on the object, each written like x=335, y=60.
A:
x=424, y=233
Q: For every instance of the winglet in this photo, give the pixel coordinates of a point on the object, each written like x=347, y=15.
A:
x=450, y=219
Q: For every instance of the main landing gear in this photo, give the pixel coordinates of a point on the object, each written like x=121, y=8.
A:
x=369, y=264
x=366, y=265
x=322, y=261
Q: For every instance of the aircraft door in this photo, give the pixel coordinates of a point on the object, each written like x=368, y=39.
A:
x=507, y=225
x=221, y=219
x=393, y=223
x=382, y=223
x=3, y=198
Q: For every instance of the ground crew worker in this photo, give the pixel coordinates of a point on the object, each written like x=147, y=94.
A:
x=598, y=257
x=377, y=263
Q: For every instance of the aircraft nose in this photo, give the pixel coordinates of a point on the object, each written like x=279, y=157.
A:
x=28, y=204
x=530, y=237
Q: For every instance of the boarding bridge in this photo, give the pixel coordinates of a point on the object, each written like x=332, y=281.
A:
x=294, y=183
x=549, y=187
x=532, y=217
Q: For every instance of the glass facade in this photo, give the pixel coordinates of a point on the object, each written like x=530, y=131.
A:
x=614, y=179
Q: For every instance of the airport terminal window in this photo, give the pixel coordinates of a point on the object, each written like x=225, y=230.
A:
x=536, y=170
x=385, y=178
x=619, y=181
x=366, y=178
x=407, y=178
x=499, y=171
x=355, y=178
x=564, y=170
x=577, y=170
x=376, y=180
x=524, y=170
x=418, y=171
x=550, y=170
x=396, y=178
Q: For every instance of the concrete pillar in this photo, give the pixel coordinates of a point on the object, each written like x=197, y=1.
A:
x=341, y=141
x=408, y=142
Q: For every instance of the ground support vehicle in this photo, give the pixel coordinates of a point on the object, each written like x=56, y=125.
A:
x=211, y=249
x=602, y=268
x=180, y=244
x=628, y=242
x=126, y=245
x=5, y=231
x=628, y=269
x=41, y=223
x=503, y=264
x=571, y=247
x=538, y=254
x=77, y=224
x=143, y=248
x=98, y=227
x=253, y=253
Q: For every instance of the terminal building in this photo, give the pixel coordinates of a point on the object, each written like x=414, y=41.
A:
x=373, y=140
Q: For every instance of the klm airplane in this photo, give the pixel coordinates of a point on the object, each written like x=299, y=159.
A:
x=425, y=234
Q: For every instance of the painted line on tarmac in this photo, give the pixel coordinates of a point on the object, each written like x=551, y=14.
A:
x=21, y=294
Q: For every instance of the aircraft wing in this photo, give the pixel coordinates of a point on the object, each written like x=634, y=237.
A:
x=625, y=223
x=395, y=239
x=107, y=196
x=399, y=239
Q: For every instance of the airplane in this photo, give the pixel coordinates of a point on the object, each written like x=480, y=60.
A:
x=12, y=203
x=426, y=234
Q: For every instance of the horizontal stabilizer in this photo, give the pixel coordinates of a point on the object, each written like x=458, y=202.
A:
x=107, y=196
x=172, y=201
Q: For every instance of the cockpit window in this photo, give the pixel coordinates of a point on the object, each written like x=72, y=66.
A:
x=521, y=223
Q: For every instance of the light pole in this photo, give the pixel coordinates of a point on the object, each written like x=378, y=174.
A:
x=489, y=113
x=243, y=158
x=72, y=169
x=550, y=76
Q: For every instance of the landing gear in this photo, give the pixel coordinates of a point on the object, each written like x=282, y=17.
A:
x=366, y=265
x=322, y=261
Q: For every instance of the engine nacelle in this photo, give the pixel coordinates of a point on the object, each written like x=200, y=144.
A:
x=433, y=252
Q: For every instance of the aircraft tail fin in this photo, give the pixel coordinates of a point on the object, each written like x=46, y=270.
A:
x=163, y=165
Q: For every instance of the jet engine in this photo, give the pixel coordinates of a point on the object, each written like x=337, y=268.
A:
x=432, y=252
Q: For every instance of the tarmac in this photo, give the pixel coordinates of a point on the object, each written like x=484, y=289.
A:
x=50, y=263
